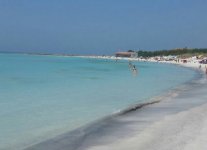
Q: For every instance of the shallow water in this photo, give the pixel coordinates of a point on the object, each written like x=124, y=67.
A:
x=177, y=122
x=44, y=96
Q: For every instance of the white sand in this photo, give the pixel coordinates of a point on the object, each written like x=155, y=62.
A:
x=186, y=130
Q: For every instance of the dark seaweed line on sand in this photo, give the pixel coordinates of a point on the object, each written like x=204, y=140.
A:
x=71, y=140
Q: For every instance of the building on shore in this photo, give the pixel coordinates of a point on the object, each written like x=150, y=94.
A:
x=126, y=54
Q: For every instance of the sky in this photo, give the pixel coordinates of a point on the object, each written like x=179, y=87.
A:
x=101, y=26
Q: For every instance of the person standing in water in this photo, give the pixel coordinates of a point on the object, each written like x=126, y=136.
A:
x=134, y=70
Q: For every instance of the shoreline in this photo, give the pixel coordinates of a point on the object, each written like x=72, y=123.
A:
x=143, y=116
x=185, y=117
x=105, y=130
x=192, y=64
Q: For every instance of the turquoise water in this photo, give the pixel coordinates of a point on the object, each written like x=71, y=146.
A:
x=43, y=96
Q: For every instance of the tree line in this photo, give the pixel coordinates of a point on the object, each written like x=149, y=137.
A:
x=183, y=51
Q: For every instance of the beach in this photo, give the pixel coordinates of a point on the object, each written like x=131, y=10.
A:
x=175, y=121
x=103, y=75
x=52, y=96
x=183, y=125
x=53, y=105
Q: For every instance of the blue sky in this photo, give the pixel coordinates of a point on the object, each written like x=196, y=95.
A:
x=101, y=26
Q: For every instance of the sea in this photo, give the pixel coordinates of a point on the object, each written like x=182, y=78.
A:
x=46, y=96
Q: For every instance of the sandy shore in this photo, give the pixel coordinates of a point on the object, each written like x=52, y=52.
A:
x=186, y=130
